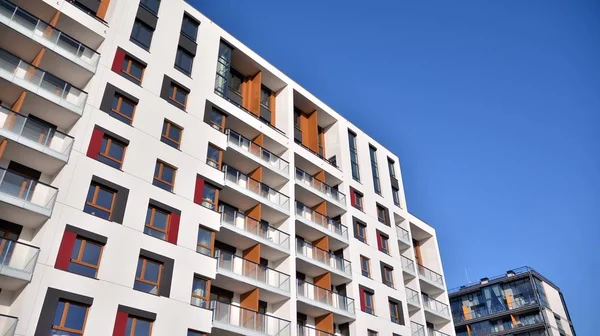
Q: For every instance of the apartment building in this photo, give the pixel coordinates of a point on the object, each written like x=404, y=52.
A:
x=520, y=302
x=157, y=177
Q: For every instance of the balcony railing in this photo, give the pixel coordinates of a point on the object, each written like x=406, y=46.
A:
x=325, y=296
x=430, y=275
x=50, y=37
x=488, y=329
x=256, y=187
x=435, y=306
x=417, y=329
x=320, y=186
x=253, y=271
x=324, y=257
x=412, y=296
x=17, y=260
x=41, y=82
x=268, y=158
x=8, y=325
x=255, y=227
x=225, y=314
x=518, y=301
x=24, y=189
x=331, y=161
x=310, y=331
x=407, y=264
x=35, y=133
x=321, y=220
x=431, y=332
x=403, y=235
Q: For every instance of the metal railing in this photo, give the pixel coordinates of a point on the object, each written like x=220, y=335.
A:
x=251, y=270
x=17, y=259
x=412, y=296
x=435, y=306
x=407, y=264
x=430, y=275
x=506, y=328
x=256, y=187
x=257, y=151
x=403, y=235
x=310, y=331
x=50, y=87
x=25, y=189
x=8, y=325
x=514, y=272
x=228, y=314
x=518, y=301
x=325, y=296
x=256, y=228
x=320, y=186
x=417, y=329
x=331, y=161
x=431, y=332
x=321, y=220
x=325, y=257
x=31, y=130
x=47, y=35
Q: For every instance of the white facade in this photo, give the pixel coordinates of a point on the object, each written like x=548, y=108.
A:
x=37, y=214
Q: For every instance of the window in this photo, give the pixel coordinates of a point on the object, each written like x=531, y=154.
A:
x=189, y=27
x=171, y=134
x=356, y=199
x=122, y=109
x=112, y=152
x=381, y=214
x=195, y=333
x=369, y=301
x=235, y=82
x=151, y=5
x=164, y=176
x=365, y=266
x=210, y=197
x=383, y=242
x=138, y=327
x=387, y=275
x=265, y=97
x=321, y=141
x=184, y=61
x=391, y=168
x=396, y=313
x=374, y=169
x=100, y=201
x=85, y=258
x=200, y=292
x=217, y=120
x=147, y=276
x=69, y=318
x=372, y=333
x=214, y=157
x=206, y=241
x=142, y=34
x=353, y=156
x=133, y=70
x=178, y=95
x=396, y=196
x=157, y=222
x=360, y=231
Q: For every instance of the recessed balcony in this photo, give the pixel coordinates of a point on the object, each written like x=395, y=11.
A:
x=8, y=325
x=435, y=311
x=242, y=275
x=316, y=301
x=24, y=200
x=234, y=320
x=17, y=263
x=408, y=268
x=404, y=240
x=430, y=281
x=314, y=261
x=412, y=299
x=312, y=225
x=34, y=143
x=251, y=151
x=321, y=189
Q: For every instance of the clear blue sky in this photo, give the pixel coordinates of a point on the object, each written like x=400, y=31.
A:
x=492, y=106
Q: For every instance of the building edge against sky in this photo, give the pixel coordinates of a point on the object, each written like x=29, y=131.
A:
x=158, y=177
x=520, y=302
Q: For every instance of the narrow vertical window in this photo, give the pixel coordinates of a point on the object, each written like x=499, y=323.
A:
x=365, y=266
x=353, y=156
x=206, y=241
x=375, y=169
x=200, y=292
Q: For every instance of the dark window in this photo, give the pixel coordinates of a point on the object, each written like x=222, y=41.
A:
x=178, y=95
x=171, y=134
x=235, y=82
x=354, y=156
x=142, y=34
x=123, y=109
x=384, y=242
x=69, y=318
x=265, y=97
x=133, y=69
x=164, y=176
x=396, y=313
x=381, y=214
x=147, y=276
x=184, y=61
x=157, y=222
x=200, y=292
x=195, y=333
x=85, y=258
x=214, y=157
x=360, y=231
x=365, y=266
x=210, y=196
x=217, y=120
x=396, y=196
x=138, y=326
x=388, y=276
x=357, y=199
x=100, y=201
x=391, y=168
x=112, y=152
x=372, y=333
x=189, y=27
x=375, y=169
x=369, y=300
x=151, y=5
x=206, y=241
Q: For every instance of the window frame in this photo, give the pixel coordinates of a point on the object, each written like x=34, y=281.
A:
x=396, y=196
x=206, y=298
x=387, y=271
x=366, y=294
x=109, y=142
x=385, y=243
x=98, y=186
x=151, y=226
x=357, y=235
x=381, y=214
x=134, y=37
x=64, y=315
x=375, y=169
x=391, y=167
x=143, y=273
x=368, y=270
x=394, y=308
x=358, y=200
x=372, y=332
x=79, y=261
x=221, y=128
x=215, y=203
x=120, y=99
x=166, y=136
x=130, y=61
x=173, y=95
x=188, y=18
x=211, y=248
x=219, y=163
x=158, y=178
x=133, y=324
x=178, y=55
x=353, y=152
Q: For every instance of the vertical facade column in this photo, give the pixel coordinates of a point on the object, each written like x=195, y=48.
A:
x=251, y=93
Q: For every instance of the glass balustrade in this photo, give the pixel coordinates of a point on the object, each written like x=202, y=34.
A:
x=321, y=220
x=407, y=264
x=319, y=186
x=21, y=188
x=232, y=263
x=258, y=188
x=225, y=314
x=430, y=275
x=269, y=159
x=325, y=296
x=324, y=257
x=255, y=227
x=435, y=306
x=17, y=259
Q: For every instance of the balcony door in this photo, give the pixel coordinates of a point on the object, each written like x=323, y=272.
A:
x=19, y=181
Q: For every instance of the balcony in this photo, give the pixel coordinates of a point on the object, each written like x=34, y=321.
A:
x=430, y=281
x=432, y=332
x=233, y=320
x=435, y=311
x=520, y=301
x=310, y=331
x=257, y=191
x=251, y=150
x=24, y=200
x=244, y=231
x=417, y=329
x=408, y=268
x=17, y=262
x=32, y=34
x=320, y=188
x=34, y=143
x=51, y=95
x=412, y=299
x=314, y=261
x=316, y=301
x=241, y=275
x=315, y=225
x=404, y=240
x=8, y=325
